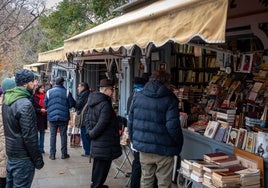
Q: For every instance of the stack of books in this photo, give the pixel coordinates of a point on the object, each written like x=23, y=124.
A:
x=208, y=171
x=198, y=166
x=226, y=179
x=198, y=127
x=186, y=167
x=250, y=178
x=226, y=116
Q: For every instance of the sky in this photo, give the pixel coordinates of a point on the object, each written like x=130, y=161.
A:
x=51, y=3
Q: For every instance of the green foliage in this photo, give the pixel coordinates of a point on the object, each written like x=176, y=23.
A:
x=75, y=16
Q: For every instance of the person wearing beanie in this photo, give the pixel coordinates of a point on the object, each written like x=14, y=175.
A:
x=7, y=83
x=58, y=101
x=21, y=134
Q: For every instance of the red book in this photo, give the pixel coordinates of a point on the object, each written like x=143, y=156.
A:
x=227, y=162
x=215, y=156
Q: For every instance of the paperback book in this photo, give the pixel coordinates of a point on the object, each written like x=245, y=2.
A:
x=211, y=129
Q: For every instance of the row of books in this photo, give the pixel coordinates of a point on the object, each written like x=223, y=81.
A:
x=250, y=141
x=220, y=170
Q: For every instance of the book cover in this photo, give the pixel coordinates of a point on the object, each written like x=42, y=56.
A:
x=241, y=138
x=226, y=134
x=220, y=133
x=262, y=144
x=233, y=132
x=216, y=155
x=249, y=142
x=211, y=129
x=227, y=162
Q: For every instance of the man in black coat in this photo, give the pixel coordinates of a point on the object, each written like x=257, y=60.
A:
x=103, y=131
x=21, y=132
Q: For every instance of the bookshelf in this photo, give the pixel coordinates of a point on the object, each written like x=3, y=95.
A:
x=188, y=69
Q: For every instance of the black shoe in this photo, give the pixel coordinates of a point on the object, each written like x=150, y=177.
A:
x=52, y=157
x=85, y=155
x=104, y=186
x=65, y=156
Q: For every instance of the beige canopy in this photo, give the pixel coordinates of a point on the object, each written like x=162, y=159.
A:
x=52, y=55
x=159, y=22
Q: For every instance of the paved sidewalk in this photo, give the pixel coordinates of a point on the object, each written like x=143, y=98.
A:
x=75, y=171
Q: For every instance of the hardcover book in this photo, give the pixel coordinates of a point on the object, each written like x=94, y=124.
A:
x=211, y=129
x=249, y=146
x=209, y=157
x=241, y=138
x=232, y=136
x=220, y=133
x=231, y=161
x=262, y=144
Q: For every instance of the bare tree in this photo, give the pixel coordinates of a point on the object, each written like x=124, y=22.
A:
x=16, y=16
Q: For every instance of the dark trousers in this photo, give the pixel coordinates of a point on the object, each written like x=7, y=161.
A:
x=135, y=179
x=100, y=172
x=20, y=173
x=2, y=182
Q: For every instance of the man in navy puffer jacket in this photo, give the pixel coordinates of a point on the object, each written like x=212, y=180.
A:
x=155, y=131
x=58, y=101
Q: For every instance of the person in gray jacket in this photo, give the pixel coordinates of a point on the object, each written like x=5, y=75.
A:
x=155, y=131
x=58, y=101
x=21, y=134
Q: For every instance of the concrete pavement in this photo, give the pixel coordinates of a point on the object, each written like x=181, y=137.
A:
x=75, y=171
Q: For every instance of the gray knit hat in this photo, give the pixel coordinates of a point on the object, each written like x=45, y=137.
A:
x=8, y=83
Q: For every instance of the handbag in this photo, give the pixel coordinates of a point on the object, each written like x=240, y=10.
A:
x=75, y=137
x=78, y=118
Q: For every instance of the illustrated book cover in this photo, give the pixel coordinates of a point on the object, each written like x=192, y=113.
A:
x=211, y=129
x=232, y=136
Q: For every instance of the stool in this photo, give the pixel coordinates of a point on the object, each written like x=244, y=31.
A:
x=126, y=152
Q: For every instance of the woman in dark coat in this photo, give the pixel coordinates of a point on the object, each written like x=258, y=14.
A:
x=41, y=114
x=82, y=97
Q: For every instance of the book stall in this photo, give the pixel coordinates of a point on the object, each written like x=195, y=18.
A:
x=229, y=115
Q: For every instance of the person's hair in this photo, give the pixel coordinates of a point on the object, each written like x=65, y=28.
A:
x=85, y=85
x=162, y=77
x=38, y=88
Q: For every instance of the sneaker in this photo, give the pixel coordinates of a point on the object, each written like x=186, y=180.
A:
x=65, y=156
x=52, y=157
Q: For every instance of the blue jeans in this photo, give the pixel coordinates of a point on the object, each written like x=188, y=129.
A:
x=62, y=125
x=20, y=173
x=41, y=140
x=85, y=141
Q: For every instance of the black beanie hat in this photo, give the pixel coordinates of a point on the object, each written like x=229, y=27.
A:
x=23, y=76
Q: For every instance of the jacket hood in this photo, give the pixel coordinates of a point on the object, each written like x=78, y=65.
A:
x=96, y=98
x=155, y=90
x=16, y=93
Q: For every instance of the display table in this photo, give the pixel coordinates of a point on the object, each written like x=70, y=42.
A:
x=196, y=145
